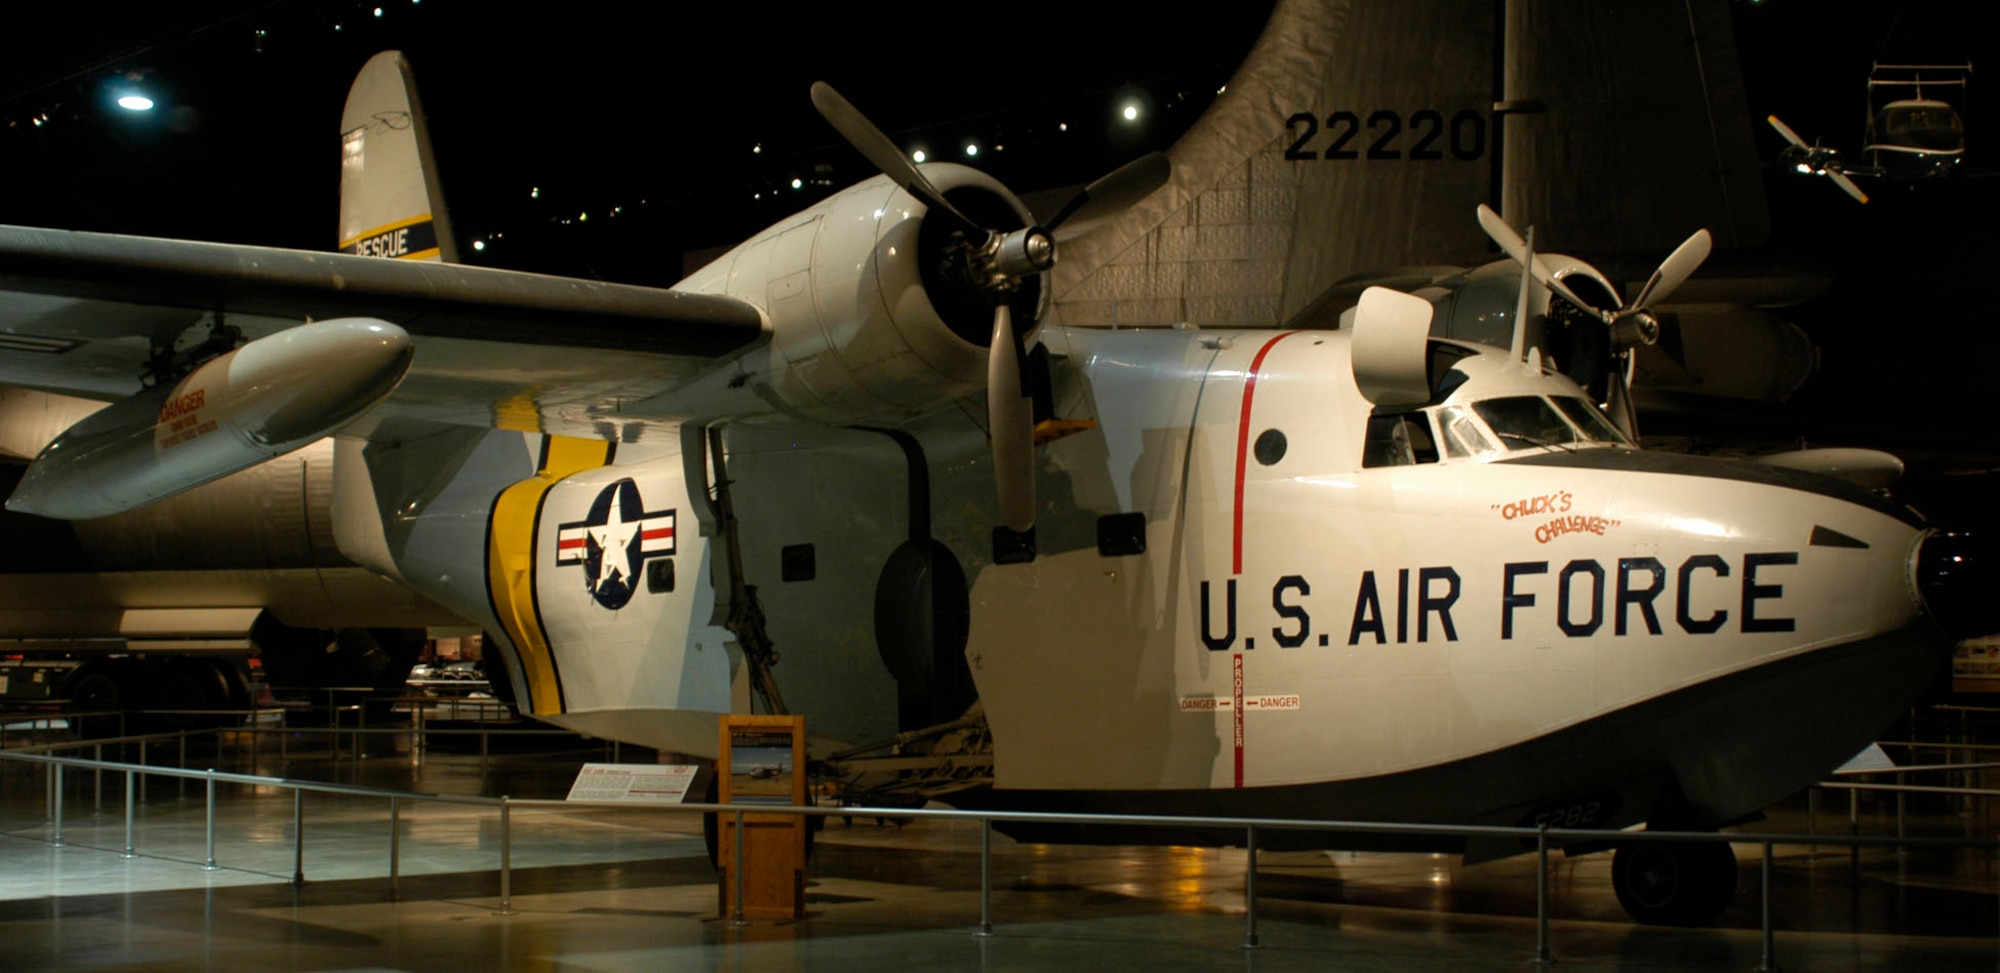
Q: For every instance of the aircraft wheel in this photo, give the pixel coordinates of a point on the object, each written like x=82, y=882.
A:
x=95, y=692
x=1674, y=883
x=192, y=686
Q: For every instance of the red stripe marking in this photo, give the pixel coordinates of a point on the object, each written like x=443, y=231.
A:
x=660, y=533
x=1242, y=452
x=572, y=542
x=1236, y=681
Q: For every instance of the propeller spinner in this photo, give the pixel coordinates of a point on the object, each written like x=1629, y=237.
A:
x=996, y=262
x=1629, y=326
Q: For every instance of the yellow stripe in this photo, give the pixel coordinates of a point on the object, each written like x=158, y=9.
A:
x=510, y=563
x=518, y=412
x=384, y=228
x=430, y=254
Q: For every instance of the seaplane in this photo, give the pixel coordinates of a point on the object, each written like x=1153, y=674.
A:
x=850, y=471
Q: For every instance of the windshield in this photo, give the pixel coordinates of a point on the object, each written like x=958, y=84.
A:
x=1595, y=426
x=1522, y=421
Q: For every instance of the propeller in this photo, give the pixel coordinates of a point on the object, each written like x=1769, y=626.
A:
x=1814, y=163
x=996, y=261
x=1629, y=326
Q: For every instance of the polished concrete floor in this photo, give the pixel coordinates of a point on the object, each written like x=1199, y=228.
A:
x=631, y=890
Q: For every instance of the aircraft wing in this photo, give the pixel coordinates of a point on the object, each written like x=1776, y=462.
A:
x=81, y=312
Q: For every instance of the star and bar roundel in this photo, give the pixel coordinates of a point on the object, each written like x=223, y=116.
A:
x=614, y=541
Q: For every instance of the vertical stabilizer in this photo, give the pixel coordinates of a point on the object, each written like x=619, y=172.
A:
x=1358, y=134
x=1355, y=136
x=390, y=204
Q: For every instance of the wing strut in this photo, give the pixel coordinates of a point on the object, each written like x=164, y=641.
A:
x=746, y=614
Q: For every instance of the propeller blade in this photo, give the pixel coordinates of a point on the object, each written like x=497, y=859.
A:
x=1512, y=245
x=1673, y=271
x=869, y=141
x=1010, y=423
x=1786, y=131
x=1618, y=398
x=1840, y=179
x=1116, y=190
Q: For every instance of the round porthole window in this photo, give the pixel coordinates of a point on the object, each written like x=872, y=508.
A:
x=1270, y=447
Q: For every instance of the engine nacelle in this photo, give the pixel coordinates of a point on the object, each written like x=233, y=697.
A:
x=1478, y=305
x=870, y=319
x=265, y=399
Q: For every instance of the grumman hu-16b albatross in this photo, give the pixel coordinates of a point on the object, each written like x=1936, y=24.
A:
x=1349, y=574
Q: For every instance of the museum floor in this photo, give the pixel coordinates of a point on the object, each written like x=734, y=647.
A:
x=623, y=890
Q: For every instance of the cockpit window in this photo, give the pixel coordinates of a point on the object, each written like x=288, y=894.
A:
x=1462, y=435
x=1525, y=421
x=1593, y=423
x=1399, y=440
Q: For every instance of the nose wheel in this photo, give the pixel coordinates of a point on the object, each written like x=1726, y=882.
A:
x=1668, y=883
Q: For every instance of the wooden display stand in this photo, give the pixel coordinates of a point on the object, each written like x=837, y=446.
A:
x=763, y=761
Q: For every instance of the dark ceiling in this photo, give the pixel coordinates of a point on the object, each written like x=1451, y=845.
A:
x=655, y=103
x=656, y=109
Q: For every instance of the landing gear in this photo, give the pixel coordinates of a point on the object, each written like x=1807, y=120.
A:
x=1669, y=883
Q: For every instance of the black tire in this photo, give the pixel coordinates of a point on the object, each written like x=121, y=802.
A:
x=1667, y=883
x=92, y=691
x=192, y=686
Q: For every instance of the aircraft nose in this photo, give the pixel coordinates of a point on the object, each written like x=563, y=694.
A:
x=1958, y=574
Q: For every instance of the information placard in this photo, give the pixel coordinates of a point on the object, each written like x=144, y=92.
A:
x=639, y=783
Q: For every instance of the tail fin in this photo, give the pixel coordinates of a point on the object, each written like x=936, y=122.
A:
x=390, y=204
x=1359, y=135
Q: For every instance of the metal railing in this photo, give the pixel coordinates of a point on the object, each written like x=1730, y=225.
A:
x=1542, y=837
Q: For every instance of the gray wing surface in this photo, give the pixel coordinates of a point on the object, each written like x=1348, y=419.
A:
x=81, y=312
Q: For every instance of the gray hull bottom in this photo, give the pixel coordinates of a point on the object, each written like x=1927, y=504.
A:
x=1697, y=758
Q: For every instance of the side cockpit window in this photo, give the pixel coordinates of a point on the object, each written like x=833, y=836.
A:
x=1402, y=439
x=1462, y=436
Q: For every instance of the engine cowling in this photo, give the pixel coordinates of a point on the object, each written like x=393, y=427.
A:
x=872, y=315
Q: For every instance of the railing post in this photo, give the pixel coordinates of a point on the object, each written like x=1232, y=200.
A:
x=1812, y=820
x=97, y=779
x=395, y=844
x=298, y=837
x=1250, y=889
x=1542, y=957
x=1854, y=828
x=985, y=878
x=1901, y=850
x=129, y=853
x=506, y=861
x=736, y=872
x=56, y=795
x=211, y=813
x=1769, y=963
